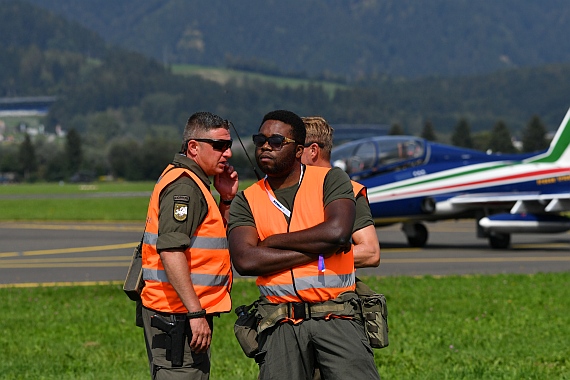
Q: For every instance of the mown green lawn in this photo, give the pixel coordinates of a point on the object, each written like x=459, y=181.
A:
x=41, y=189
x=456, y=327
x=113, y=201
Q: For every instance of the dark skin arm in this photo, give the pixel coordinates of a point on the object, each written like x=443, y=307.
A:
x=284, y=251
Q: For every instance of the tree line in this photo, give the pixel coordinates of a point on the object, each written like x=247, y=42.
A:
x=73, y=159
x=140, y=93
x=127, y=111
x=498, y=140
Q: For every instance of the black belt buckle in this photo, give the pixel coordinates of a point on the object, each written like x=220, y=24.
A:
x=300, y=310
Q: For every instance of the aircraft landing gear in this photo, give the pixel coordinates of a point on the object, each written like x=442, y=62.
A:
x=499, y=240
x=416, y=233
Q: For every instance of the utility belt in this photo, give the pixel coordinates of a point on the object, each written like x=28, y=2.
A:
x=363, y=304
x=262, y=314
x=345, y=305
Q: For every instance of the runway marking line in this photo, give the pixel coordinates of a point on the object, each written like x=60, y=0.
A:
x=67, y=259
x=474, y=260
x=69, y=250
x=53, y=284
x=74, y=262
x=85, y=227
x=9, y=254
x=521, y=246
x=66, y=265
x=544, y=245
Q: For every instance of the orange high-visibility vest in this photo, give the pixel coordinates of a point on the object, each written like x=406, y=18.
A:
x=208, y=256
x=304, y=283
x=359, y=189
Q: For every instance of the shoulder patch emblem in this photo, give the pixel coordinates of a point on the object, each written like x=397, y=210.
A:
x=180, y=211
x=182, y=198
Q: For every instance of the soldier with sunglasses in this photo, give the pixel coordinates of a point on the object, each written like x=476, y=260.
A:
x=292, y=230
x=186, y=262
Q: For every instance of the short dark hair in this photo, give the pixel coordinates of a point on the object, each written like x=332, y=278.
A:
x=202, y=122
x=291, y=119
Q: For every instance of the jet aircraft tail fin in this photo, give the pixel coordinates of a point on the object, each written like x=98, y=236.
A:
x=559, y=149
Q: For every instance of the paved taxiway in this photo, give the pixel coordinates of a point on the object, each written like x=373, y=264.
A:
x=32, y=253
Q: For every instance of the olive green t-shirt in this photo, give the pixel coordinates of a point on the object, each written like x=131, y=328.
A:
x=173, y=232
x=363, y=213
x=337, y=185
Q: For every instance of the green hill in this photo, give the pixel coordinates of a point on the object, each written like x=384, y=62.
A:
x=121, y=102
x=347, y=38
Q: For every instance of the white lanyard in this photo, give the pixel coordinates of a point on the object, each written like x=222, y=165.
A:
x=287, y=212
x=275, y=202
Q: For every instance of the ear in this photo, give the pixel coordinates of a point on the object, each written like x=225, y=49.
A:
x=192, y=148
x=299, y=151
x=314, y=151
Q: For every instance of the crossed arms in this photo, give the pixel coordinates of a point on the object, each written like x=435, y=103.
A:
x=283, y=251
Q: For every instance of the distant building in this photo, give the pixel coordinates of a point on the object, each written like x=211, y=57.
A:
x=26, y=106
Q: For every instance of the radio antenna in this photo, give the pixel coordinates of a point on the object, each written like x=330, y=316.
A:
x=245, y=151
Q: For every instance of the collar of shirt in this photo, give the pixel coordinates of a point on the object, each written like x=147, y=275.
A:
x=181, y=160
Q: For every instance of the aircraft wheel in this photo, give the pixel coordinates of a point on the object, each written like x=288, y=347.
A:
x=418, y=235
x=499, y=241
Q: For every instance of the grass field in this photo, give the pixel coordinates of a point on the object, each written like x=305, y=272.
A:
x=41, y=189
x=96, y=201
x=106, y=201
x=455, y=327
x=477, y=327
x=224, y=75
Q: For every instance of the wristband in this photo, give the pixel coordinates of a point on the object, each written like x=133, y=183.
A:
x=226, y=201
x=196, y=314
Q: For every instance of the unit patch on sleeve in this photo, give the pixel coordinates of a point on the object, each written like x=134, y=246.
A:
x=181, y=207
x=181, y=198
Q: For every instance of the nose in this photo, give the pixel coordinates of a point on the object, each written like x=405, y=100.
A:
x=266, y=145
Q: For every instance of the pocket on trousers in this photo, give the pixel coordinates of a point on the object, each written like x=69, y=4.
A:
x=375, y=315
x=245, y=330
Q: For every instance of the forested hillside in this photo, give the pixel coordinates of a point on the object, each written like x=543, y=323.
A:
x=120, y=103
x=330, y=38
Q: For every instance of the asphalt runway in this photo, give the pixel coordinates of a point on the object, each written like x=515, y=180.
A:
x=58, y=253
x=454, y=249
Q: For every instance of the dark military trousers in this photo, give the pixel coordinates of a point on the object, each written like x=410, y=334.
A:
x=195, y=366
x=339, y=346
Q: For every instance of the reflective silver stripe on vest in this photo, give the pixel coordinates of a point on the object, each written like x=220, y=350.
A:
x=209, y=280
x=306, y=283
x=150, y=238
x=154, y=275
x=197, y=278
x=196, y=241
x=208, y=242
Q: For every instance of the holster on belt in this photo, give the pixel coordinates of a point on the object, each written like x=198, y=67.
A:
x=345, y=305
x=176, y=328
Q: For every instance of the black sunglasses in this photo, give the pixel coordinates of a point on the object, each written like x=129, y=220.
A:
x=219, y=145
x=276, y=142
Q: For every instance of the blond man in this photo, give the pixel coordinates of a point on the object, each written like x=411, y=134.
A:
x=318, y=146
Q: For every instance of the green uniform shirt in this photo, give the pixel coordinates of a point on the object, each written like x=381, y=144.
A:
x=363, y=213
x=337, y=185
x=172, y=233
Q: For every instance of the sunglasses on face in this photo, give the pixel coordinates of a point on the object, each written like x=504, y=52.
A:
x=219, y=145
x=276, y=142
